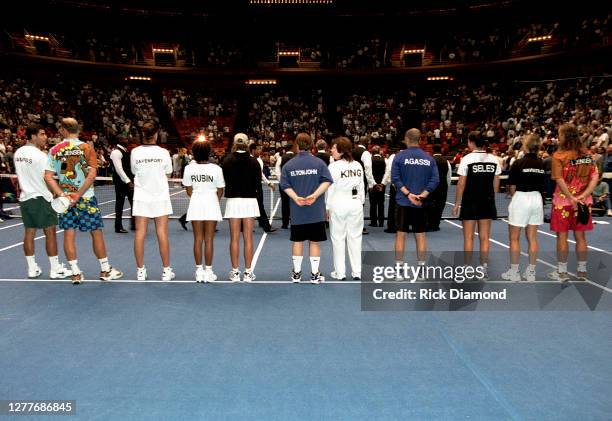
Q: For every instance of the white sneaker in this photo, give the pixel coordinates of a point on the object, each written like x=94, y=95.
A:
x=210, y=276
x=248, y=277
x=234, y=276
x=141, y=274
x=111, y=275
x=316, y=278
x=529, y=275
x=558, y=276
x=35, y=272
x=296, y=277
x=485, y=275
x=168, y=274
x=337, y=276
x=77, y=278
x=60, y=272
x=511, y=275
x=200, y=275
x=609, y=212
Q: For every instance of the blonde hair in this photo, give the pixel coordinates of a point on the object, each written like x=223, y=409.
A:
x=533, y=142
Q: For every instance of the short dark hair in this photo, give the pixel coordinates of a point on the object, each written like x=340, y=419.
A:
x=289, y=147
x=437, y=149
x=344, y=148
x=33, y=129
x=149, y=129
x=304, y=141
x=201, y=151
x=252, y=147
x=478, y=140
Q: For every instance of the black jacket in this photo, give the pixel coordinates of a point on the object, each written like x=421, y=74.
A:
x=242, y=175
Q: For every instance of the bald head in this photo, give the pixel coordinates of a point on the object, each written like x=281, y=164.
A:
x=412, y=137
x=70, y=125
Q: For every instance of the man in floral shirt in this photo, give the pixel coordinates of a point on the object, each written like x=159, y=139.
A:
x=75, y=165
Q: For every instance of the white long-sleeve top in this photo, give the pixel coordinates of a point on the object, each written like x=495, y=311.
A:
x=348, y=179
x=387, y=177
x=263, y=176
x=366, y=158
x=116, y=156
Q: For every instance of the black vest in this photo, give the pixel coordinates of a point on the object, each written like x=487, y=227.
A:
x=378, y=168
x=324, y=156
x=125, y=163
x=357, y=152
x=286, y=157
x=441, y=162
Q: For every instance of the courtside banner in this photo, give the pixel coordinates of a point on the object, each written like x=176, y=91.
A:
x=451, y=281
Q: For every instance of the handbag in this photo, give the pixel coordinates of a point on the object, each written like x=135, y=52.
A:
x=584, y=212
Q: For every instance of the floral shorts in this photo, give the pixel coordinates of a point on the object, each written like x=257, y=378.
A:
x=84, y=215
x=565, y=218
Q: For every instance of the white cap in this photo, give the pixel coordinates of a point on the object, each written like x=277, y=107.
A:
x=241, y=139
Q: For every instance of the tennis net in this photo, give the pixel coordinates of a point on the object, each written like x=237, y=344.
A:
x=105, y=193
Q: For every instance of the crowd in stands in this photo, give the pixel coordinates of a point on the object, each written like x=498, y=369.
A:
x=278, y=116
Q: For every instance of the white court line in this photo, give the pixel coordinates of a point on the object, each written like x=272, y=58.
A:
x=571, y=241
x=11, y=226
x=263, y=237
x=538, y=260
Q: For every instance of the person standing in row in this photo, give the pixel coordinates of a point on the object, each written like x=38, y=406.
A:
x=305, y=179
x=526, y=210
x=576, y=176
x=478, y=183
x=122, y=179
x=438, y=196
x=345, y=198
x=377, y=193
x=75, y=165
x=264, y=222
x=415, y=175
x=364, y=157
x=285, y=201
x=322, y=152
x=151, y=166
x=35, y=202
x=391, y=229
x=204, y=183
x=242, y=176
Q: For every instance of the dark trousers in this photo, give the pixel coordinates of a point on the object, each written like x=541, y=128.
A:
x=434, y=212
x=285, y=208
x=377, y=207
x=121, y=192
x=391, y=210
x=263, y=217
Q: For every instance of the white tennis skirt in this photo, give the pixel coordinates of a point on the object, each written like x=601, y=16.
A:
x=239, y=207
x=204, y=207
x=152, y=209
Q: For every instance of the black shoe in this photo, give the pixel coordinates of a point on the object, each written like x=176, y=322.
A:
x=390, y=231
x=120, y=231
x=364, y=232
x=183, y=221
x=269, y=230
x=5, y=215
x=132, y=228
x=285, y=227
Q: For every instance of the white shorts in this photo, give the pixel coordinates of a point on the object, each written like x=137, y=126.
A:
x=204, y=208
x=526, y=208
x=152, y=209
x=239, y=207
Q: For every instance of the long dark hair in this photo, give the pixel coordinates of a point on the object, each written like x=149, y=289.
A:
x=344, y=148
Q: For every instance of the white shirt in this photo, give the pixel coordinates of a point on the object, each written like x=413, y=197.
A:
x=387, y=177
x=366, y=158
x=263, y=176
x=116, y=156
x=150, y=165
x=348, y=179
x=30, y=164
x=204, y=179
x=176, y=163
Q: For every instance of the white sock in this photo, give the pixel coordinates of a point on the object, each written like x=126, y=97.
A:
x=54, y=262
x=74, y=267
x=562, y=267
x=297, y=263
x=314, y=264
x=167, y=268
x=514, y=267
x=248, y=270
x=199, y=267
x=531, y=268
x=31, y=261
x=582, y=266
x=235, y=269
x=104, y=265
x=209, y=268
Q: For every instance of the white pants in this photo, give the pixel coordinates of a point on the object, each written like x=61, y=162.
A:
x=346, y=230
